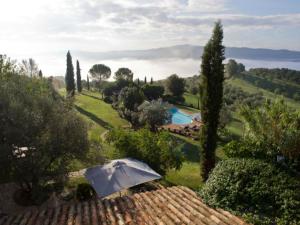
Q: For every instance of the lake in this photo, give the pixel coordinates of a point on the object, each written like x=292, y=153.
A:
x=160, y=69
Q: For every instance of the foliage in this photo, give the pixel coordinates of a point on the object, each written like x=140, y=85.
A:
x=78, y=77
x=211, y=92
x=175, y=85
x=235, y=96
x=154, y=113
x=124, y=74
x=100, y=72
x=274, y=129
x=155, y=149
x=84, y=192
x=233, y=68
x=276, y=86
x=153, y=92
x=110, y=89
x=255, y=189
x=40, y=133
x=40, y=74
x=69, y=77
x=173, y=99
x=131, y=98
x=283, y=74
x=7, y=67
x=88, y=83
x=29, y=68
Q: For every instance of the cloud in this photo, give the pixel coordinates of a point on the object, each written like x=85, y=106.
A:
x=38, y=26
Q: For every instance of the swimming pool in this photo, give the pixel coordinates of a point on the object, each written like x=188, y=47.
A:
x=178, y=117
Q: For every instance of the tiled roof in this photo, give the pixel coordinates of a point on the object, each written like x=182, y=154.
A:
x=174, y=205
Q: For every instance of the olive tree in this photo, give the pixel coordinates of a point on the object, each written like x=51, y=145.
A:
x=40, y=133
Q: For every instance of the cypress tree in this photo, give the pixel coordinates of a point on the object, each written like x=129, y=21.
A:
x=69, y=78
x=40, y=74
x=78, y=77
x=145, y=81
x=88, y=82
x=151, y=81
x=211, y=94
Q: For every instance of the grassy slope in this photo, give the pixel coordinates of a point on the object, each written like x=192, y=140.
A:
x=252, y=89
x=191, y=99
x=99, y=116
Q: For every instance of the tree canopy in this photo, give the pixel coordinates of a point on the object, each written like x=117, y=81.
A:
x=175, y=85
x=124, y=73
x=39, y=132
x=100, y=72
x=233, y=68
x=153, y=92
x=154, y=114
x=131, y=98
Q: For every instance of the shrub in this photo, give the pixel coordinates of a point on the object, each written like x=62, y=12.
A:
x=84, y=192
x=108, y=100
x=155, y=149
x=254, y=189
x=173, y=99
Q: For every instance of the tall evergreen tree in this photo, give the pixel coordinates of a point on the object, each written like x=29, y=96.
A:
x=145, y=81
x=88, y=82
x=78, y=77
x=211, y=93
x=69, y=78
x=138, y=81
x=40, y=74
x=151, y=81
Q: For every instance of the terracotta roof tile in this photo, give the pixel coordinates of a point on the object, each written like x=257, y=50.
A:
x=174, y=205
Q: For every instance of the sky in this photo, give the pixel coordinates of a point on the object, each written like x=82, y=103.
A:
x=46, y=29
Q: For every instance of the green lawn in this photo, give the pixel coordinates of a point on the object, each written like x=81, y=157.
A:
x=97, y=111
x=191, y=100
x=100, y=117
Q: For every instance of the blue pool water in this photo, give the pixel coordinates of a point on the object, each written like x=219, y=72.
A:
x=179, y=117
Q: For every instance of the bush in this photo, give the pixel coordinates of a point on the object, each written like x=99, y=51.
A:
x=254, y=189
x=158, y=150
x=84, y=192
x=173, y=99
x=108, y=100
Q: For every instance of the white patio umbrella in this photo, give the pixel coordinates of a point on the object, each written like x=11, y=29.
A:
x=119, y=174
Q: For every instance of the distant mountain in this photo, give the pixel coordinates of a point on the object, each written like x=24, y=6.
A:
x=194, y=52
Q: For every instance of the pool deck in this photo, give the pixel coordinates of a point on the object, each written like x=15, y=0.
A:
x=188, y=130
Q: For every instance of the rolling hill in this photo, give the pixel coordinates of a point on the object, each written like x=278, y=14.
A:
x=194, y=52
